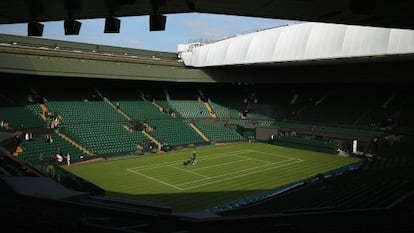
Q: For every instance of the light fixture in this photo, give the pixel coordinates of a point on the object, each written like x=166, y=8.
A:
x=72, y=27
x=35, y=29
x=157, y=22
x=35, y=8
x=112, y=25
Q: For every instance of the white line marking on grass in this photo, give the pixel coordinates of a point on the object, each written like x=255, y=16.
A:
x=261, y=160
x=235, y=172
x=156, y=180
x=221, y=164
x=279, y=155
x=195, y=173
x=225, y=174
x=245, y=174
x=239, y=153
x=208, y=157
x=274, y=154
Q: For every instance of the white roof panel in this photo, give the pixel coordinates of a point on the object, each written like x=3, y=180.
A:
x=301, y=42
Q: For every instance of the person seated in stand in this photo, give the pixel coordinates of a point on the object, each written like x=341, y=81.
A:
x=47, y=138
x=59, y=158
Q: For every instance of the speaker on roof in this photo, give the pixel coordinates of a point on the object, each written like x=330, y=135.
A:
x=112, y=25
x=35, y=29
x=72, y=27
x=157, y=22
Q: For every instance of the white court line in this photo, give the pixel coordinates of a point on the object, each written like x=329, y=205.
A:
x=261, y=160
x=287, y=158
x=180, y=161
x=235, y=172
x=279, y=155
x=156, y=180
x=233, y=153
x=218, y=165
x=245, y=174
x=195, y=173
x=226, y=174
x=134, y=169
x=274, y=154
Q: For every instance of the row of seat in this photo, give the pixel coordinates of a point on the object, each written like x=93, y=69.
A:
x=175, y=132
x=224, y=112
x=84, y=111
x=141, y=110
x=190, y=108
x=38, y=145
x=104, y=138
x=19, y=116
x=218, y=132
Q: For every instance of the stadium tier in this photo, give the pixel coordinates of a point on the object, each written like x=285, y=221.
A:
x=285, y=154
x=295, y=110
x=32, y=149
x=225, y=112
x=20, y=117
x=303, y=127
x=104, y=138
x=218, y=132
x=174, y=132
x=141, y=110
x=190, y=108
x=84, y=111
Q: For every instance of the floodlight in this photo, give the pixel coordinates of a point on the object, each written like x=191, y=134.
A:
x=112, y=25
x=34, y=29
x=72, y=27
x=157, y=22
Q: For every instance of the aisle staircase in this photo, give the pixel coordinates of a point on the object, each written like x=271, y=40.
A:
x=71, y=141
x=210, y=110
x=199, y=132
x=112, y=105
x=156, y=105
x=44, y=110
x=118, y=110
x=154, y=140
x=148, y=127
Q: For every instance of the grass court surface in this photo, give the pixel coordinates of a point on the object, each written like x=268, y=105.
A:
x=222, y=174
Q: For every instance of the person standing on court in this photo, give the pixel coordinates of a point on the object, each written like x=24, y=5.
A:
x=193, y=157
x=68, y=159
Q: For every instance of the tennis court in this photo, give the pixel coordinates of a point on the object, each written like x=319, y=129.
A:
x=222, y=174
x=213, y=169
